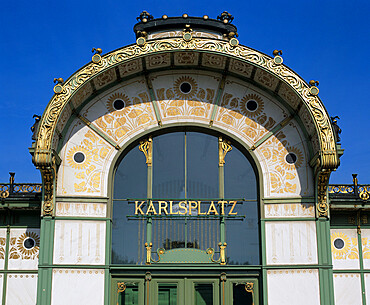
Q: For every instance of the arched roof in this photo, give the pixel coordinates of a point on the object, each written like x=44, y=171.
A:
x=237, y=60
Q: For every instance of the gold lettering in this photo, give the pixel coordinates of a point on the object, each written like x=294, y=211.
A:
x=199, y=212
x=222, y=206
x=183, y=205
x=232, y=208
x=160, y=207
x=151, y=208
x=212, y=209
x=171, y=211
x=138, y=209
x=192, y=207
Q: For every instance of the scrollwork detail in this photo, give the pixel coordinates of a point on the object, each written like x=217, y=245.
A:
x=49, y=120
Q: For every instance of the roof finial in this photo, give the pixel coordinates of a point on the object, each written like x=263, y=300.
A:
x=225, y=17
x=144, y=17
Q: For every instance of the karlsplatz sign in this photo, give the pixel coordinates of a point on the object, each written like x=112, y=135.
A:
x=185, y=207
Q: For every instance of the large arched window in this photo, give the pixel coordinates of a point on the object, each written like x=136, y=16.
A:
x=185, y=189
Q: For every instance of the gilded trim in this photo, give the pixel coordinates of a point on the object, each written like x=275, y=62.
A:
x=47, y=127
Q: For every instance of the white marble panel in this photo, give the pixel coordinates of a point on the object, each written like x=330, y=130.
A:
x=21, y=289
x=2, y=275
x=365, y=235
x=291, y=242
x=290, y=210
x=24, y=249
x=81, y=209
x=288, y=287
x=77, y=286
x=367, y=287
x=344, y=248
x=79, y=242
x=347, y=289
x=2, y=247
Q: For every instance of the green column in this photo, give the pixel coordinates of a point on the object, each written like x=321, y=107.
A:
x=325, y=262
x=45, y=261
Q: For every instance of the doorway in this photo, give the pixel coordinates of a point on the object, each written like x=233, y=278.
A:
x=185, y=291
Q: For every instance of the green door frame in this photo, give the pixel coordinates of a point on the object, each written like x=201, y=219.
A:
x=148, y=288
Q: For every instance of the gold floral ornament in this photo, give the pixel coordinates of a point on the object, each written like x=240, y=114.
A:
x=117, y=104
x=25, y=246
x=343, y=247
x=185, y=87
x=2, y=247
x=251, y=105
x=79, y=157
x=291, y=158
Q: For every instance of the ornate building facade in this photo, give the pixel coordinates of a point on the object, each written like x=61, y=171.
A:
x=185, y=168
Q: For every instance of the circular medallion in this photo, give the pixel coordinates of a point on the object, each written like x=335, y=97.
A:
x=252, y=105
x=234, y=42
x=339, y=243
x=118, y=104
x=278, y=60
x=79, y=157
x=96, y=58
x=141, y=41
x=185, y=87
x=291, y=158
x=314, y=90
x=58, y=89
x=187, y=36
x=29, y=243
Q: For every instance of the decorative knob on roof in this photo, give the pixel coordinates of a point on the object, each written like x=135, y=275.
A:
x=96, y=58
x=144, y=17
x=225, y=17
x=278, y=60
x=58, y=87
x=313, y=87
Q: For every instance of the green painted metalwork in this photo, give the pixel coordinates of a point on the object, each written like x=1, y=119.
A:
x=185, y=255
x=5, y=280
x=360, y=257
x=45, y=259
x=324, y=258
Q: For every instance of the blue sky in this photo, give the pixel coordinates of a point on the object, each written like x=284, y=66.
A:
x=327, y=41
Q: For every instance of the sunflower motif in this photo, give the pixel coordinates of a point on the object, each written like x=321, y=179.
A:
x=182, y=88
x=251, y=105
x=28, y=244
x=284, y=156
x=346, y=248
x=83, y=153
x=116, y=107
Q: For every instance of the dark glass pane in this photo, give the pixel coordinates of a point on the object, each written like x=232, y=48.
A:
x=240, y=179
x=167, y=294
x=203, y=294
x=130, y=182
x=131, y=176
x=242, y=234
x=128, y=235
x=241, y=296
x=130, y=296
x=169, y=166
x=202, y=165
